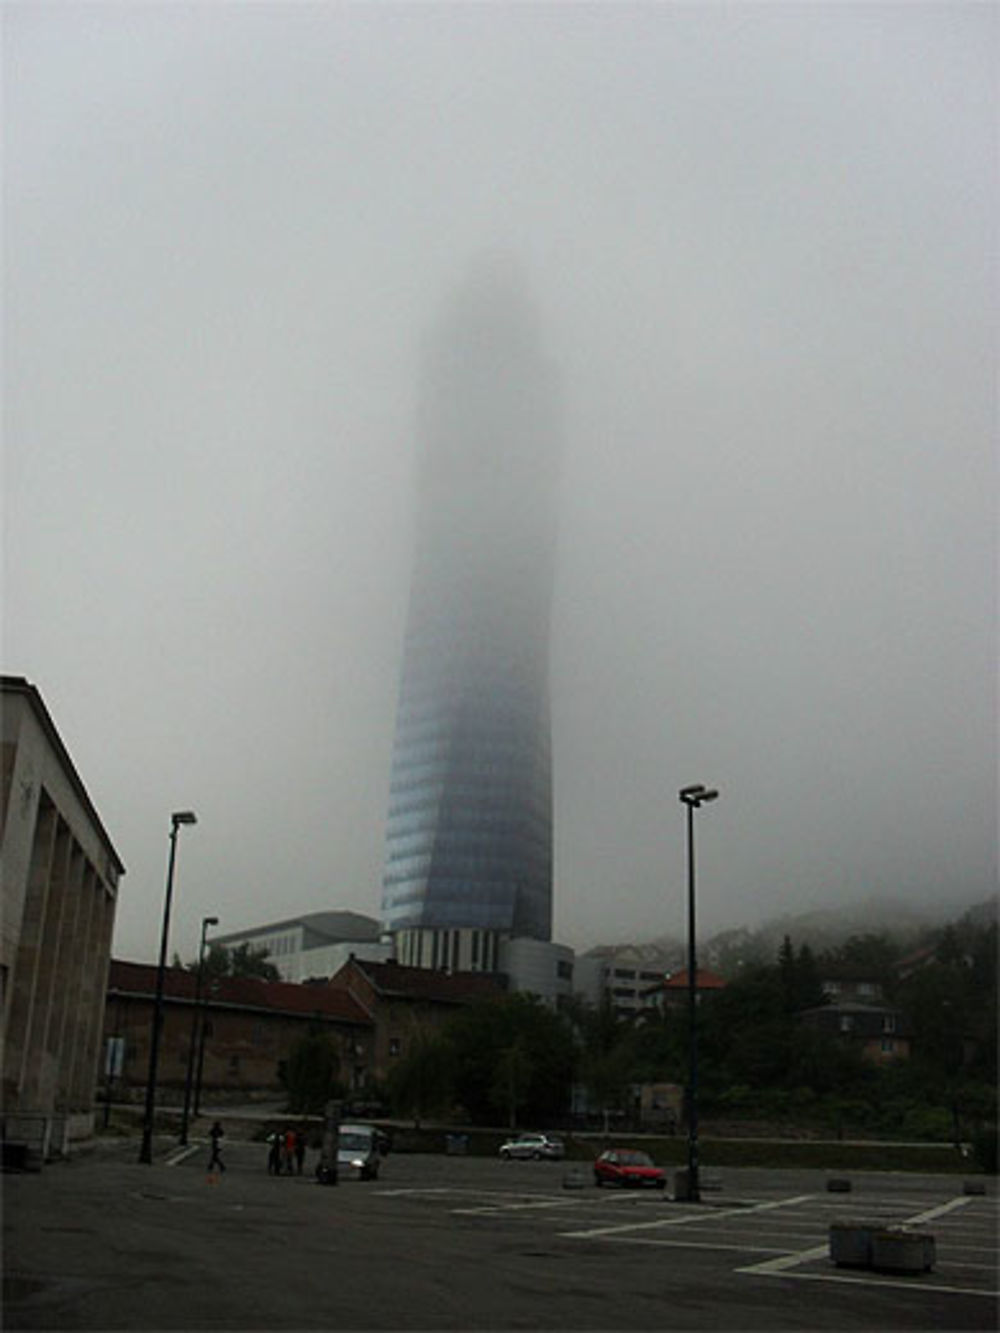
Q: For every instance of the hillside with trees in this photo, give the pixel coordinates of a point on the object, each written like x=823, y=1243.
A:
x=518, y=1062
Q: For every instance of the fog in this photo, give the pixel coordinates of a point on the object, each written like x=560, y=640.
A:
x=761, y=243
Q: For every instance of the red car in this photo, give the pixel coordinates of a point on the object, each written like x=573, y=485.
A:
x=623, y=1166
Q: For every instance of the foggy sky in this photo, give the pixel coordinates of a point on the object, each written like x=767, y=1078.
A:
x=762, y=245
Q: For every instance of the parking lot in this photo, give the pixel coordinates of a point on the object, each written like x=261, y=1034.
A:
x=466, y=1243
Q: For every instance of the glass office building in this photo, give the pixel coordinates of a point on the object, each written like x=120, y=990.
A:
x=469, y=832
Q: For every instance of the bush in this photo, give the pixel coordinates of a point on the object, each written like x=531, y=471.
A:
x=927, y=1124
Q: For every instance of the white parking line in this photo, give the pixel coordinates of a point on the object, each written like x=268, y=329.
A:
x=702, y=1215
x=785, y=1266
x=940, y=1211
x=874, y=1281
x=495, y=1208
x=182, y=1154
x=772, y=1266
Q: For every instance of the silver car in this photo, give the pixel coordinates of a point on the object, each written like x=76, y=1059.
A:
x=535, y=1146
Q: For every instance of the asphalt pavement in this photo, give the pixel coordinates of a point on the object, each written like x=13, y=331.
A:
x=103, y=1242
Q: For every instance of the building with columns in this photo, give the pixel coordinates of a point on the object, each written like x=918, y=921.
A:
x=60, y=875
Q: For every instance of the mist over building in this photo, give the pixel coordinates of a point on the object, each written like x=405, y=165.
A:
x=469, y=831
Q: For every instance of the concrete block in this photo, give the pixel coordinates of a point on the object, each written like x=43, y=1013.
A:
x=898, y=1250
x=682, y=1185
x=974, y=1187
x=838, y=1185
x=851, y=1243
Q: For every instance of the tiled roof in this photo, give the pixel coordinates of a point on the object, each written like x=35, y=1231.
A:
x=241, y=992
x=703, y=980
x=422, y=983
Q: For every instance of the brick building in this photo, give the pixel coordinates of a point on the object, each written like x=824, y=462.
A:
x=402, y=1000
x=250, y=1028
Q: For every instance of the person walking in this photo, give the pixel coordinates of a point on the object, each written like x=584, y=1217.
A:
x=274, y=1153
x=215, y=1134
x=290, y=1150
x=300, y=1150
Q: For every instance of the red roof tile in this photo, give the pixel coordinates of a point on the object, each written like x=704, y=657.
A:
x=244, y=992
x=703, y=980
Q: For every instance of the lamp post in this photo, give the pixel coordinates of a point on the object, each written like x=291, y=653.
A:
x=693, y=797
x=205, y=923
x=146, y=1150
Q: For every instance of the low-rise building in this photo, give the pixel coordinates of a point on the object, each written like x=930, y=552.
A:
x=620, y=975
x=60, y=889
x=249, y=1029
x=316, y=944
x=402, y=1002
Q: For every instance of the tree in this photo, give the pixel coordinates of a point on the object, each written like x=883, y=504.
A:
x=243, y=961
x=484, y=1038
x=423, y=1080
x=311, y=1074
x=800, y=977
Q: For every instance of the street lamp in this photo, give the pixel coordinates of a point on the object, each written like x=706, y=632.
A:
x=693, y=797
x=205, y=923
x=146, y=1150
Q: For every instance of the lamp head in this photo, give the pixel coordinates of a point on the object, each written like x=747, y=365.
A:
x=209, y=921
x=183, y=817
x=690, y=793
x=697, y=795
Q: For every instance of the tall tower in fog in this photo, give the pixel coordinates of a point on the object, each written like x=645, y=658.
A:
x=469, y=833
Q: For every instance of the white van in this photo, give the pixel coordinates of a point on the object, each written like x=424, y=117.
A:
x=358, y=1154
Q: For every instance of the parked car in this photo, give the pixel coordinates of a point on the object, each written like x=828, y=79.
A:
x=624, y=1166
x=535, y=1146
x=358, y=1153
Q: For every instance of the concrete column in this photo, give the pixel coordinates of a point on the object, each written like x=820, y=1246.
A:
x=21, y=1020
x=67, y=964
x=38, y=1087
x=76, y=966
x=93, y=998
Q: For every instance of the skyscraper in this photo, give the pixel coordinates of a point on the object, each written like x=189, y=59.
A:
x=469, y=833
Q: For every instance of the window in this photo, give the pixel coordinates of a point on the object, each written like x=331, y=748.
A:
x=394, y=1046
x=846, y=1023
x=889, y=1023
x=888, y=1046
x=564, y=969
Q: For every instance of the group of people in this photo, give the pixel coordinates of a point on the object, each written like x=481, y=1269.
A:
x=286, y=1152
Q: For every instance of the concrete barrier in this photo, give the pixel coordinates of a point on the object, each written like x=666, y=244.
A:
x=886, y=1249
x=898, y=1250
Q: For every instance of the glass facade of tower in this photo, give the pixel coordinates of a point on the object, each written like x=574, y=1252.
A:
x=469, y=832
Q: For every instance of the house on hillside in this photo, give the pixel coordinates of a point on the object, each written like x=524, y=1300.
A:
x=846, y=983
x=400, y=1001
x=883, y=1034
x=672, y=992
